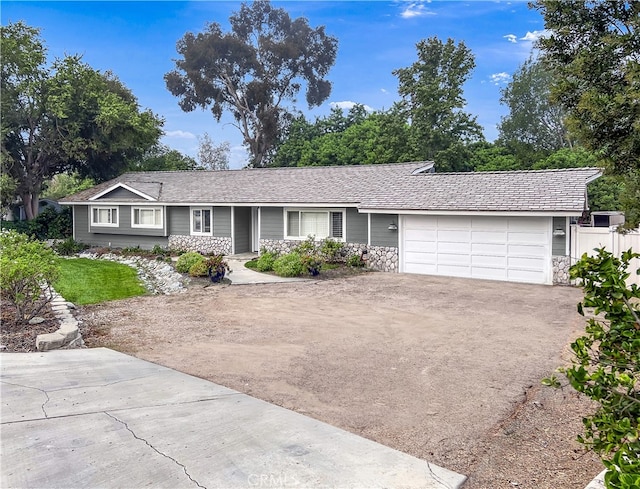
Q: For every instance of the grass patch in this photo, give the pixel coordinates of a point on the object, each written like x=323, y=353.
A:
x=330, y=266
x=84, y=281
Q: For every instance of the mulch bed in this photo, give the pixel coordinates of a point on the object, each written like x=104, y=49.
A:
x=20, y=337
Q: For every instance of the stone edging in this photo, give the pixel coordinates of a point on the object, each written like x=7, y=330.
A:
x=68, y=334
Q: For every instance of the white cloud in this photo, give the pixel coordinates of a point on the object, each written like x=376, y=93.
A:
x=533, y=36
x=180, y=134
x=348, y=105
x=511, y=38
x=384, y=90
x=415, y=9
x=500, y=78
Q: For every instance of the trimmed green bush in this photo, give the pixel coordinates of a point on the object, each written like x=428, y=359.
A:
x=265, y=261
x=332, y=250
x=289, y=265
x=69, y=247
x=26, y=267
x=186, y=261
x=199, y=269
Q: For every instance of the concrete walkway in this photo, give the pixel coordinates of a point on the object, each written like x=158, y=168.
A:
x=99, y=418
x=242, y=275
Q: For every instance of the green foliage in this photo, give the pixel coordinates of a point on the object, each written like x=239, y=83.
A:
x=84, y=281
x=289, y=265
x=252, y=264
x=69, y=247
x=312, y=263
x=431, y=91
x=213, y=156
x=49, y=224
x=64, y=117
x=534, y=126
x=199, y=268
x=65, y=184
x=491, y=157
x=307, y=247
x=593, y=49
x=8, y=187
x=355, y=261
x=256, y=72
x=265, y=261
x=159, y=250
x=331, y=250
x=606, y=366
x=630, y=199
x=187, y=260
x=161, y=157
x=27, y=269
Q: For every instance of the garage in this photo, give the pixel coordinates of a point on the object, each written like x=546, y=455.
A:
x=515, y=249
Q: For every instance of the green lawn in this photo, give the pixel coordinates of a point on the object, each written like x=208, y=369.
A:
x=85, y=281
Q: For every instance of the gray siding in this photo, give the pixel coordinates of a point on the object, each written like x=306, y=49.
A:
x=242, y=229
x=222, y=222
x=178, y=221
x=357, y=224
x=82, y=234
x=271, y=223
x=121, y=194
x=559, y=243
x=381, y=235
x=124, y=225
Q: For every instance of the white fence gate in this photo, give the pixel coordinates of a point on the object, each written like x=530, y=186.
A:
x=584, y=240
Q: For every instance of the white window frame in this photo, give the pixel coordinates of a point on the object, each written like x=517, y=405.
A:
x=193, y=232
x=113, y=223
x=147, y=226
x=328, y=212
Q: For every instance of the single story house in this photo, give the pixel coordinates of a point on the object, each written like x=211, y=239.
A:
x=510, y=226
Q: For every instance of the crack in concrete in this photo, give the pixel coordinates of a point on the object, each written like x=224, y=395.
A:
x=438, y=479
x=155, y=449
x=44, y=411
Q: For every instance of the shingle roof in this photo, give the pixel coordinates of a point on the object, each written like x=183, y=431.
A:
x=373, y=187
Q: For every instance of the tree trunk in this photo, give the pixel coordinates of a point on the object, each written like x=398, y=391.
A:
x=30, y=204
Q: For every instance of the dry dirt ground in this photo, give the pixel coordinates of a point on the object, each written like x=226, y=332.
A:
x=447, y=370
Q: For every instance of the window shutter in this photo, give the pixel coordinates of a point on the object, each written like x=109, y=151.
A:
x=336, y=225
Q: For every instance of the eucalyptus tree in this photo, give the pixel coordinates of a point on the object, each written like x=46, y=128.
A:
x=254, y=71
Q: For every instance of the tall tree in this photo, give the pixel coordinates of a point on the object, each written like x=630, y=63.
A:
x=66, y=117
x=594, y=49
x=213, y=156
x=253, y=71
x=432, y=93
x=534, y=127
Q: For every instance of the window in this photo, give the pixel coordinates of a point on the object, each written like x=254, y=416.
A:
x=201, y=221
x=104, y=216
x=146, y=217
x=321, y=224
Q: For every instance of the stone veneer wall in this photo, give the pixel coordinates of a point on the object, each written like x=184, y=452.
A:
x=382, y=258
x=202, y=244
x=561, y=266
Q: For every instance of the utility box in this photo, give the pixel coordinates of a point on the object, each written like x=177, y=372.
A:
x=605, y=219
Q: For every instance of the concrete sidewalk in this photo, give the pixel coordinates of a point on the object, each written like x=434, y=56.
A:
x=98, y=418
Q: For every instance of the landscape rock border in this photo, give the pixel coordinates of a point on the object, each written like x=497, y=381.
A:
x=68, y=334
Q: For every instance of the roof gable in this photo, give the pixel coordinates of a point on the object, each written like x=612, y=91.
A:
x=123, y=192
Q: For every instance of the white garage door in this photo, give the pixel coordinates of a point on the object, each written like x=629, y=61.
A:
x=515, y=249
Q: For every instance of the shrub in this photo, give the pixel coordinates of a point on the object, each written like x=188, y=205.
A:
x=69, y=247
x=265, y=261
x=159, y=250
x=606, y=365
x=199, y=268
x=289, y=265
x=49, y=224
x=355, y=261
x=27, y=269
x=332, y=250
x=312, y=263
x=307, y=247
x=187, y=260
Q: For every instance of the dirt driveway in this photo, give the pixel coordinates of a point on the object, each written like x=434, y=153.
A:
x=447, y=370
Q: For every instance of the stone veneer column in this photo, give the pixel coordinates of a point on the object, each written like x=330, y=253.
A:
x=202, y=244
x=561, y=266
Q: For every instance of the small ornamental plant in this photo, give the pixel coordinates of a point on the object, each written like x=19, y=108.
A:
x=606, y=364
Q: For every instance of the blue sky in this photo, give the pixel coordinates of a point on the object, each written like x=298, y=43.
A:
x=136, y=41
